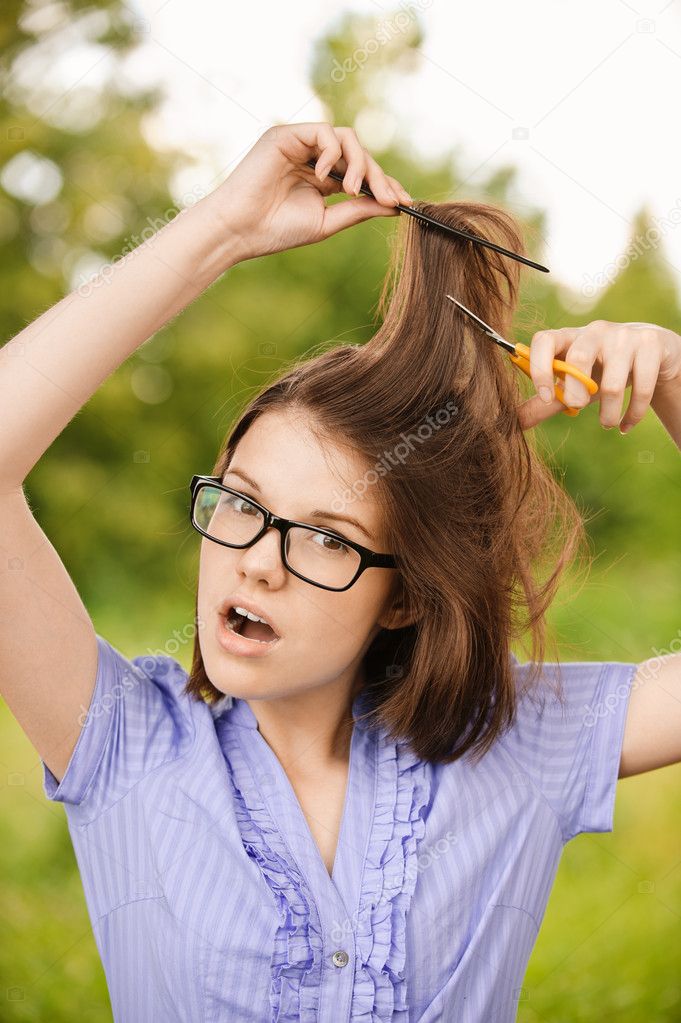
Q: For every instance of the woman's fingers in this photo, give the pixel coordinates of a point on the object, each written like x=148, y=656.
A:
x=400, y=190
x=611, y=392
x=545, y=347
x=354, y=211
x=273, y=199
x=533, y=411
x=354, y=156
x=328, y=143
x=645, y=370
x=379, y=184
x=356, y=165
x=581, y=353
x=345, y=154
x=616, y=350
x=609, y=353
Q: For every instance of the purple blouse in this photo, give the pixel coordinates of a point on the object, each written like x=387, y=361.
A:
x=210, y=901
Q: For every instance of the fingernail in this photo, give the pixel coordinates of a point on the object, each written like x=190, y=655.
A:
x=625, y=429
x=545, y=394
x=406, y=197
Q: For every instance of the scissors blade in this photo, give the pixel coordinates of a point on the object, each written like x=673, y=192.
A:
x=508, y=345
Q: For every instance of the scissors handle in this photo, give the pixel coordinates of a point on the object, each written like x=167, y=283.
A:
x=521, y=359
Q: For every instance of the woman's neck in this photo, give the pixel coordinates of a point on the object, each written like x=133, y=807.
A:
x=311, y=730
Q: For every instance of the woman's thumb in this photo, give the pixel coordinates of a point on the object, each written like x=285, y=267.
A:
x=353, y=211
x=533, y=411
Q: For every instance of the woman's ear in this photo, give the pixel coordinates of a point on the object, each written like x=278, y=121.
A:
x=398, y=612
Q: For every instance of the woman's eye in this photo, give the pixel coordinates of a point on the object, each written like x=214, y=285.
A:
x=237, y=504
x=331, y=543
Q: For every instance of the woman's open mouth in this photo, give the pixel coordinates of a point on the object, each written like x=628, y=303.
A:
x=238, y=634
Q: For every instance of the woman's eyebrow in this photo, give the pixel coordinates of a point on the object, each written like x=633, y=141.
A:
x=317, y=514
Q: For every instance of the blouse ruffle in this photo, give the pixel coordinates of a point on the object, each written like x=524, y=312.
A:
x=297, y=955
x=388, y=882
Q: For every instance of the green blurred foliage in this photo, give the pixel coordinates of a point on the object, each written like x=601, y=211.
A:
x=112, y=492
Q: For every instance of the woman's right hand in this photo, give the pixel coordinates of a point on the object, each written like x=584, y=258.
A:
x=273, y=201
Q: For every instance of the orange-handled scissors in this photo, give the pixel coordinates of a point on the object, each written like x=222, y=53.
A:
x=519, y=354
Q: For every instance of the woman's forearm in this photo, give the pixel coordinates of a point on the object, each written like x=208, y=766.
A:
x=666, y=404
x=51, y=368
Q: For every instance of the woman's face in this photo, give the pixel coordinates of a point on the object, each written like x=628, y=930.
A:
x=323, y=634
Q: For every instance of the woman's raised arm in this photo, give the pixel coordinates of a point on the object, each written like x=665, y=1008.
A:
x=271, y=201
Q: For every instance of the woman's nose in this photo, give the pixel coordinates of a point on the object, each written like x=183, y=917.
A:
x=264, y=556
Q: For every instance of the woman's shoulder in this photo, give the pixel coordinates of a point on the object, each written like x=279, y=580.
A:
x=567, y=688
x=567, y=736
x=152, y=683
x=139, y=717
x=564, y=742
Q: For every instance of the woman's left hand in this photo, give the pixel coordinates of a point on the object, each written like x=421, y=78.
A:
x=615, y=355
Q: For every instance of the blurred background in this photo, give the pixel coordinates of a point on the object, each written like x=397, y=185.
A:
x=113, y=117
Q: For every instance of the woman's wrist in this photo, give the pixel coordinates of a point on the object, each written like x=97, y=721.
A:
x=223, y=247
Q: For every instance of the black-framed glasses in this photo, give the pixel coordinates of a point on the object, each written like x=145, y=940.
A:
x=319, y=556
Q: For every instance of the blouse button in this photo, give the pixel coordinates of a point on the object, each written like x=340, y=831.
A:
x=340, y=958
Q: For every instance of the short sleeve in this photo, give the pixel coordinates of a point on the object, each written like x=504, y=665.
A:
x=572, y=749
x=138, y=719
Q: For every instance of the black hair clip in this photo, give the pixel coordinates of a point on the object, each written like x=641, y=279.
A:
x=424, y=218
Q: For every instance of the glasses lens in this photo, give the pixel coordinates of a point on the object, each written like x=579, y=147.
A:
x=321, y=558
x=227, y=517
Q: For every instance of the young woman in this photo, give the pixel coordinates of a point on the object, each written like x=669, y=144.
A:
x=354, y=806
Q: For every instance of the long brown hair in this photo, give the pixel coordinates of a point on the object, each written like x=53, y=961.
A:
x=480, y=528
